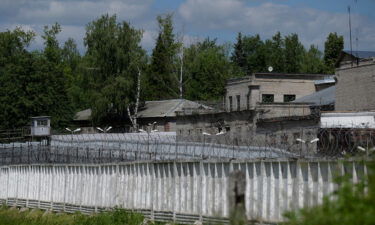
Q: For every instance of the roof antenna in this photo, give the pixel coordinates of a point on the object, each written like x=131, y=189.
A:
x=350, y=34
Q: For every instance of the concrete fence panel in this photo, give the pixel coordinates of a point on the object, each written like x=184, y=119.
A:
x=182, y=191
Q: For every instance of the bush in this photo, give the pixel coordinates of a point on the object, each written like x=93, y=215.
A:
x=350, y=204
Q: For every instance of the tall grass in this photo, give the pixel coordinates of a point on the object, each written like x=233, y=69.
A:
x=13, y=216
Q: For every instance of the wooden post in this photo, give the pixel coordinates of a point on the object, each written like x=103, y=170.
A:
x=236, y=198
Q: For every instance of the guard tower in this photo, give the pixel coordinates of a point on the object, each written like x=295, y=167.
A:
x=41, y=126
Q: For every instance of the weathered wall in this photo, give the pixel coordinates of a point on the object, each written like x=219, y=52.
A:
x=239, y=125
x=170, y=190
x=278, y=86
x=276, y=125
x=355, y=88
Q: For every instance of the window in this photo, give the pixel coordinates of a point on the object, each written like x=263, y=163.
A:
x=238, y=102
x=41, y=122
x=230, y=103
x=267, y=98
x=248, y=101
x=289, y=98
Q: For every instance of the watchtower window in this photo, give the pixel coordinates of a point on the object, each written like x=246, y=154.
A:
x=41, y=122
x=267, y=98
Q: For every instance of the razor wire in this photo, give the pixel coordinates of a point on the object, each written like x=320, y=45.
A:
x=124, y=147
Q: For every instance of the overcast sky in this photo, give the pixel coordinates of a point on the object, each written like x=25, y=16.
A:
x=312, y=20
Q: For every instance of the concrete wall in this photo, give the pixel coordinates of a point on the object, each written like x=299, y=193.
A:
x=180, y=191
x=277, y=125
x=355, y=88
x=239, y=125
x=257, y=85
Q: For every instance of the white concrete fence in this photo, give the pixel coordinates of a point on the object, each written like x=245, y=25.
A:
x=182, y=191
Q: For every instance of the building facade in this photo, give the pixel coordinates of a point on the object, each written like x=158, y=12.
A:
x=355, y=88
x=244, y=93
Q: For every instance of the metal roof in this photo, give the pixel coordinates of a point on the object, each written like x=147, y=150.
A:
x=83, y=115
x=323, y=97
x=361, y=54
x=167, y=108
x=326, y=80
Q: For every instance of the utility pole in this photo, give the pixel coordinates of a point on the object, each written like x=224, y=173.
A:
x=181, y=68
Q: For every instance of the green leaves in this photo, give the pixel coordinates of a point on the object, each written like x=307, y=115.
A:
x=113, y=55
x=207, y=69
x=350, y=204
x=332, y=48
x=162, y=81
x=285, y=55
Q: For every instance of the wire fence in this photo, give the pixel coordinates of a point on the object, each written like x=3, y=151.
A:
x=124, y=147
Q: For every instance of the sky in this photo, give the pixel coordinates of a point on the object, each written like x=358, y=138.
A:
x=195, y=20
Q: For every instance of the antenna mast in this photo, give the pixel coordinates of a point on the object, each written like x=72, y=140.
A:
x=350, y=34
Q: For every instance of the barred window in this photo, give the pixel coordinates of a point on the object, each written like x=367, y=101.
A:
x=289, y=98
x=267, y=98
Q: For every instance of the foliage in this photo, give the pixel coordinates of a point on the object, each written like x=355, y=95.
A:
x=31, y=83
x=332, y=48
x=238, y=56
x=12, y=216
x=294, y=51
x=286, y=55
x=113, y=56
x=207, y=69
x=350, y=204
x=312, y=61
x=162, y=82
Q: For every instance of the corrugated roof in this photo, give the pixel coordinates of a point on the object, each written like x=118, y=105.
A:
x=361, y=54
x=323, y=97
x=83, y=115
x=167, y=108
x=326, y=80
x=162, y=108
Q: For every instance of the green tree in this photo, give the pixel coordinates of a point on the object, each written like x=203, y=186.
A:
x=16, y=72
x=208, y=69
x=162, y=81
x=254, y=50
x=32, y=84
x=75, y=85
x=113, y=59
x=238, y=56
x=294, y=51
x=50, y=68
x=312, y=61
x=332, y=49
x=277, y=59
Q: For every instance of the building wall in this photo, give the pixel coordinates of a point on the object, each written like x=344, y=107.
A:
x=277, y=87
x=163, y=124
x=275, y=125
x=355, y=89
x=238, y=126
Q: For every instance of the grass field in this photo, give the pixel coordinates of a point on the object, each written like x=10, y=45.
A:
x=15, y=216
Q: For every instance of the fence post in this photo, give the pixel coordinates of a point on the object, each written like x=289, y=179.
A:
x=53, y=173
x=200, y=193
x=65, y=186
x=236, y=198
